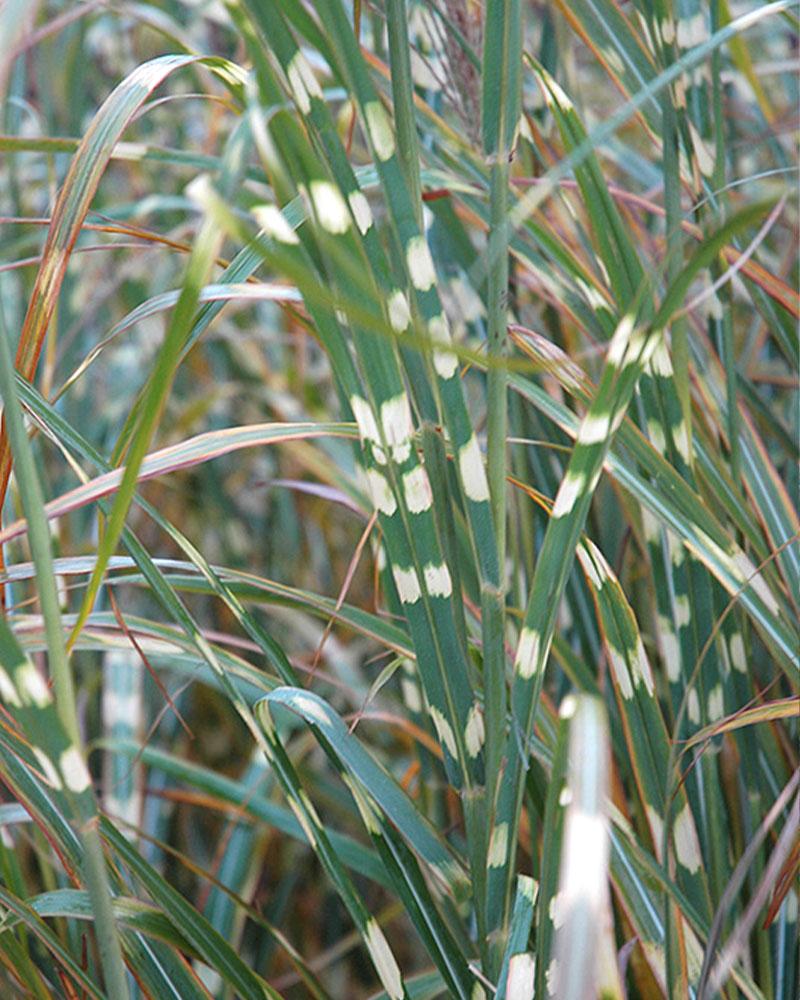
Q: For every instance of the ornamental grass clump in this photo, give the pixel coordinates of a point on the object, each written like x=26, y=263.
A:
x=400, y=563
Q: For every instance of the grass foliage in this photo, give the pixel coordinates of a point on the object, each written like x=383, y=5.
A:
x=400, y=560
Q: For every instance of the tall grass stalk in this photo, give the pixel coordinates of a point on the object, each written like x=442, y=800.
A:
x=95, y=872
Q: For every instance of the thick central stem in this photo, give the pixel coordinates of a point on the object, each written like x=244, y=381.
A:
x=498, y=351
